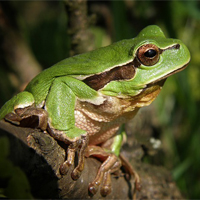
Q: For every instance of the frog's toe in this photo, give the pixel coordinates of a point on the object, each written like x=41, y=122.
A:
x=65, y=167
x=110, y=165
x=105, y=190
x=13, y=118
x=76, y=174
x=93, y=188
x=132, y=174
x=70, y=158
x=79, y=146
x=81, y=158
x=103, y=179
x=106, y=185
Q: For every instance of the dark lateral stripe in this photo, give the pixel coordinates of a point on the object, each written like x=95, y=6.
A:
x=124, y=72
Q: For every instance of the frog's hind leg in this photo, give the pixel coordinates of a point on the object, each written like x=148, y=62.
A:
x=132, y=174
x=111, y=163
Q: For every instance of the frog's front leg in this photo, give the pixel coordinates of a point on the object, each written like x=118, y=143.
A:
x=21, y=110
x=29, y=117
x=60, y=105
x=78, y=145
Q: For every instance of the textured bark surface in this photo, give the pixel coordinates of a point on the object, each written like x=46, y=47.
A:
x=82, y=39
x=39, y=156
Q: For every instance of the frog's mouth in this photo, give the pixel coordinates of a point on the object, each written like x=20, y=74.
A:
x=162, y=80
x=150, y=92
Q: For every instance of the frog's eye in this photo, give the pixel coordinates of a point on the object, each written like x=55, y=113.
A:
x=148, y=54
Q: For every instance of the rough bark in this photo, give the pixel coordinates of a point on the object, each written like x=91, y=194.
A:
x=39, y=156
x=82, y=40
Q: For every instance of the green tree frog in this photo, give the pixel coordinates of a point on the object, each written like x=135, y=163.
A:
x=83, y=100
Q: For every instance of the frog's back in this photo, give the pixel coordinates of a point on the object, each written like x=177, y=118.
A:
x=81, y=66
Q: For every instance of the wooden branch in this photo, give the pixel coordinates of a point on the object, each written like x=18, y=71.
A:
x=82, y=40
x=40, y=156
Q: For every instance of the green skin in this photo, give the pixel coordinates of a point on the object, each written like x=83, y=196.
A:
x=65, y=80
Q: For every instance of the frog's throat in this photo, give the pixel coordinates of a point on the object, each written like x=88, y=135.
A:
x=151, y=91
x=148, y=94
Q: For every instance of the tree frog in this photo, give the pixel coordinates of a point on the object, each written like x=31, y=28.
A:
x=84, y=100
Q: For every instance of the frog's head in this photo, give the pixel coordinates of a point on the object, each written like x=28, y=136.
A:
x=154, y=58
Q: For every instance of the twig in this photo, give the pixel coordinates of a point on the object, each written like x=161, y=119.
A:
x=82, y=40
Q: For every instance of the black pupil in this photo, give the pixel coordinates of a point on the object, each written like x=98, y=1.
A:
x=150, y=53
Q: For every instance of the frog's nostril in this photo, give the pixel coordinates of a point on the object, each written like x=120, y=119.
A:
x=177, y=46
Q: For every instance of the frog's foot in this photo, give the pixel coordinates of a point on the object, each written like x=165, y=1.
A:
x=132, y=173
x=29, y=117
x=78, y=145
x=111, y=163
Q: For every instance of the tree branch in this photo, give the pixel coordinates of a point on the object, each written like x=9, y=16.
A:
x=82, y=40
x=40, y=156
